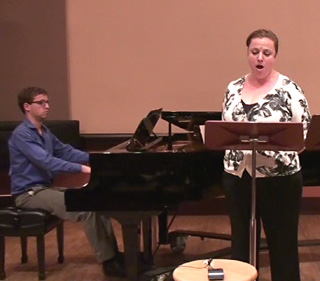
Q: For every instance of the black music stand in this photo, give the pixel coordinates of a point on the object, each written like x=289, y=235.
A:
x=253, y=136
x=313, y=137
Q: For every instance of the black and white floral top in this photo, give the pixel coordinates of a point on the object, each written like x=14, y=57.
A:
x=284, y=103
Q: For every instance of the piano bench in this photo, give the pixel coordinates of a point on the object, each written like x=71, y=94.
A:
x=19, y=222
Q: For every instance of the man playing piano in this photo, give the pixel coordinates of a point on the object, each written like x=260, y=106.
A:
x=36, y=157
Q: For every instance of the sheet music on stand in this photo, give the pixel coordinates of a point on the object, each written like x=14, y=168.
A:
x=254, y=136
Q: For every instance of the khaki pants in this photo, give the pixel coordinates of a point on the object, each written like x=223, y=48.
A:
x=98, y=227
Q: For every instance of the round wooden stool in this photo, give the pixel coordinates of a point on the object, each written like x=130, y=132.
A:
x=198, y=271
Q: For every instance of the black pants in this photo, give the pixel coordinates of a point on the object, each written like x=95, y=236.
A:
x=278, y=204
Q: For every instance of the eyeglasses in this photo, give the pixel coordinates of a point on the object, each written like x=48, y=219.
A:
x=41, y=102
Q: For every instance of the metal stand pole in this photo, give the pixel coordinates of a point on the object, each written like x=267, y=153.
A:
x=253, y=219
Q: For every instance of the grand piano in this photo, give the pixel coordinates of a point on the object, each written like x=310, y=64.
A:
x=150, y=174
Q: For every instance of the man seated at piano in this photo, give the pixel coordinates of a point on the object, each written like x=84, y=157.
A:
x=265, y=95
x=36, y=157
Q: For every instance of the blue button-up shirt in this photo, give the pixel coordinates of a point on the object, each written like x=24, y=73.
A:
x=35, y=159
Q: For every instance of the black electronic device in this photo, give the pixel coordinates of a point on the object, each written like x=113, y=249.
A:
x=215, y=274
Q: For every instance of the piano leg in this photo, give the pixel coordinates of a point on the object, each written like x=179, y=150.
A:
x=147, y=241
x=130, y=223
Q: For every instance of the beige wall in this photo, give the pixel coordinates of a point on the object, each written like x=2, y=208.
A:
x=126, y=57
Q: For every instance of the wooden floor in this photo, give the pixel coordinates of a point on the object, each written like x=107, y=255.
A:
x=80, y=263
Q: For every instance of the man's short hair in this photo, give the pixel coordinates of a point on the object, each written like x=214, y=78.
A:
x=27, y=95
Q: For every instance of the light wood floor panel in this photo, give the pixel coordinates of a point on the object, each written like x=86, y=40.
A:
x=80, y=263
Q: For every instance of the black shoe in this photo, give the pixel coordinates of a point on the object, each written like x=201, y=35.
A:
x=114, y=267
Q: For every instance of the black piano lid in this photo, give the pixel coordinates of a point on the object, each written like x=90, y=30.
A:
x=144, y=132
x=189, y=119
